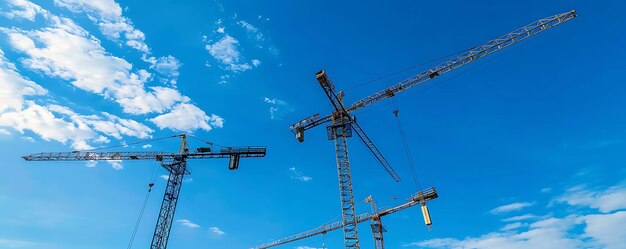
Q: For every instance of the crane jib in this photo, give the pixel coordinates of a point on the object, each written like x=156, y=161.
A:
x=251, y=151
x=469, y=56
x=341, y=117
x=418, y=198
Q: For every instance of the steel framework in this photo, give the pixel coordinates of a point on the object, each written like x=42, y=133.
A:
x=174, y=163
x=342, y=122
x=419, y=198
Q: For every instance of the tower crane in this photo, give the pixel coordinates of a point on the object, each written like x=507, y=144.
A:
x=174, y=163
x=342, y=122
x=420, y=198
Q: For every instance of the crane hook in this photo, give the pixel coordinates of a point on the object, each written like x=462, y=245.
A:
x=150, y=187
x=395, y=113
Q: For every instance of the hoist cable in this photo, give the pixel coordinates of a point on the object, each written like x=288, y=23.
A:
x=143, y=208
x=206, y=141
x=407, y=151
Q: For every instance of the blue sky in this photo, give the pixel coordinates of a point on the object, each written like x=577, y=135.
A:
x=525, y=147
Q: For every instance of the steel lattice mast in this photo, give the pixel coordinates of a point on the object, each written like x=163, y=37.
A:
x=174, y=163
x=342, y=123
x=419, y=198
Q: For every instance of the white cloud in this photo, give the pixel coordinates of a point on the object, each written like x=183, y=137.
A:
x=547, y=234
x=216, y=121
x=187, y=117
x=15, y=87
x=521, y=217
x=4, y=132
x=44, y=123
x=606, y=201
x=21, y=115
x=216, y=230
x=226, y=52
x=67, y=51
x=110, y=21
x=512, y=226
x=70, y=54
x=116, y=164
x=109, y=124
x=511, y=207
x=147, y=146
x=278, y=108
x=252, y=31
x=606, y=230
x=91, y=163
x=256, y=62
x=188, y=223
x=165, y=177
x=28, y=139
x=546, y=190
x=578, y=229
x=297, y=175
x=22, y=9
x=167, y=65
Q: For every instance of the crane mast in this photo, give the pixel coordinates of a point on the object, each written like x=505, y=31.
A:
x=342, y=123
x=174, y=163
x=377, y=225
x=418, y=198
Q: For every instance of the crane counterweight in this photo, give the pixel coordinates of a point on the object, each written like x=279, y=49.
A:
x=174, y=163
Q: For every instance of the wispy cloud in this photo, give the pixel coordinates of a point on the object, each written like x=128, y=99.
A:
x=216, y=230
x=297, y=175
x=607, y=200
x=188, y=223
x=252, y=31
x=521, y=217
x=546, y=190
x=512, y=226
x=7, y=243
x=576, y=229
x=226, y=47
x=116, y=164
x=278, y=108
x=28, y=139
x=511, y=207
x=227, y=53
